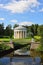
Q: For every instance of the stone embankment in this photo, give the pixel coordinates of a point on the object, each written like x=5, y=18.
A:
x=10, y=44
x=34, y=45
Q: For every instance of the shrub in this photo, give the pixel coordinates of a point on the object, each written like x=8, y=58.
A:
x=37, y=38
x=6, y=36
x=4, y=47
x=40, y=48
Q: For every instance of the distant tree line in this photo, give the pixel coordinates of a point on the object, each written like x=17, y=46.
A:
x=8, y=31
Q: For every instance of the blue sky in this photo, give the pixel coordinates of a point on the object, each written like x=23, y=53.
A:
x=22, y=12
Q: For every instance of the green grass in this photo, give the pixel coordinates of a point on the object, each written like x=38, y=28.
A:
x=27, y=40
x=4, y=39
x=22, y=40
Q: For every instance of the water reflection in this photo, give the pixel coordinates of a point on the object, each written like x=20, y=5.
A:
x=19, y=61
x=36, y=58
x=37, y=54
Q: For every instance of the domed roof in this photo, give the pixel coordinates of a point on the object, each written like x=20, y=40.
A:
x=20, y=28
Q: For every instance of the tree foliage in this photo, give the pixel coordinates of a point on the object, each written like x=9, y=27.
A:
x=16, y=25
x=4, y=32
x=1, y=29
x=40, y=48
x=41, y=33
x=9, y=31
x=35, y=29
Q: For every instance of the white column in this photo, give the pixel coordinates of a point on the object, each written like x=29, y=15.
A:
x=18, y=34
x=23, y=34
x=15, y=33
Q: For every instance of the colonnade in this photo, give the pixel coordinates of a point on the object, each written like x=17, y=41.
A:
x=20, y=34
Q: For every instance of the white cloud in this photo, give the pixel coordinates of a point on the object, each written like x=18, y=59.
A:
x=15, y=21
x=2, y=19
x=41, y=10
x=26, y=23
x=1, y=5
x=20, y=6
x=22, y=23
x=32, y=10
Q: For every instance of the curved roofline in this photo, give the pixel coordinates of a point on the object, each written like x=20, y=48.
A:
x=20, y=28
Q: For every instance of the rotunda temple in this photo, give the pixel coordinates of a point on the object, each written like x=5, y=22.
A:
x=20, y=32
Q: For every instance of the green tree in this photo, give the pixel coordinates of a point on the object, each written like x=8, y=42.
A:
x=2, y=30
x=9, y=31
x=32, y=30
x=41, y=34
x=36, y=29
x=40, y=48
x=16, y=25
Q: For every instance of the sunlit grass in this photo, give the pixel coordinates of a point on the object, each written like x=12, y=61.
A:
x=26, y=40
x=4, y=39
x=37, y=38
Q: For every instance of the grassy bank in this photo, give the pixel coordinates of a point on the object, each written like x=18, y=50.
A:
x=27, y=40
x=4, y=47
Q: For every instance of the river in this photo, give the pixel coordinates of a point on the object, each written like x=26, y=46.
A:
x=33, y=58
